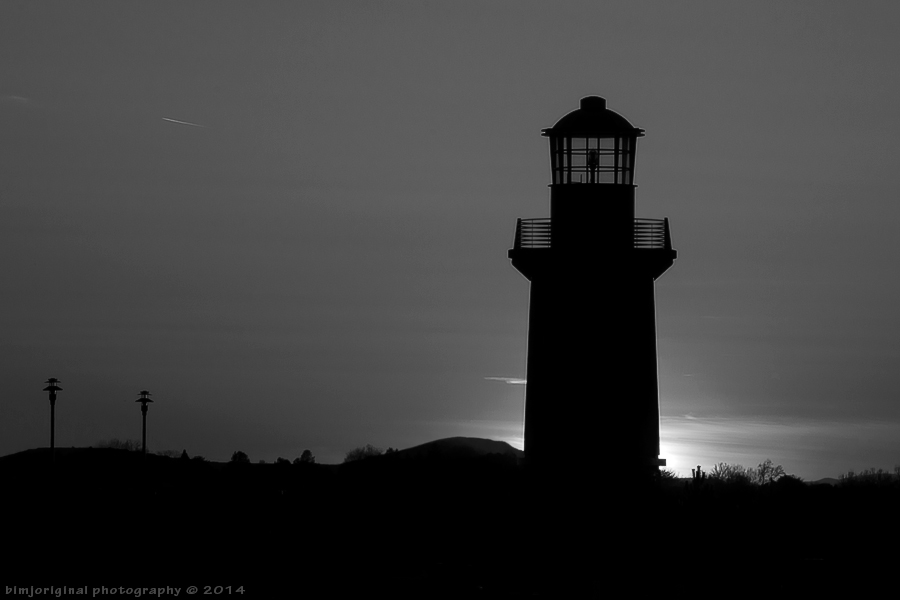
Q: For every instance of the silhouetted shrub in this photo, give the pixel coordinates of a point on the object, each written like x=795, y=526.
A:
x=362, y=452
x=871, y=478
x=765, y=473
x=305, y=458
x=668, y=474
x=130, y=445
x=240, y=458
x=733, y=474
x=789, y=483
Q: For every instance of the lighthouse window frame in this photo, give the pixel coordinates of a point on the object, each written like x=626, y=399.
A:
x=592, y=159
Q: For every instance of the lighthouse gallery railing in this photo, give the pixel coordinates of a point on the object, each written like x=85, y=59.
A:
x=649, y=234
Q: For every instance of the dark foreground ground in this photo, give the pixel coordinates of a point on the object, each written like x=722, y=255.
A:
x=473, y=527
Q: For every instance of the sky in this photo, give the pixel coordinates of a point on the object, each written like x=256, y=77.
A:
x=289, y=221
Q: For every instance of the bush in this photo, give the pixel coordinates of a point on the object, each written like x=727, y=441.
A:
x=877, y=478
x=734, y=474
x=765, y=473
x=306, y=458
x=130, y=445
x=668, y=474
x=362, y=452
x=790, y=482
x=240, y=458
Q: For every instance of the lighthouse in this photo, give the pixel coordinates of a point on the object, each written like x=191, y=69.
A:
x=592, y=396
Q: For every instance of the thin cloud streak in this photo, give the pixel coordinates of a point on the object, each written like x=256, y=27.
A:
x=182, y=122
x=509, y=380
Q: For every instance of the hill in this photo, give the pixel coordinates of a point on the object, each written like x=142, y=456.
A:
x=457, y=447
x=824, y=481
x=446, y=448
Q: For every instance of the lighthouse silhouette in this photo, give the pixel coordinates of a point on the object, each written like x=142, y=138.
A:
x=592, y=396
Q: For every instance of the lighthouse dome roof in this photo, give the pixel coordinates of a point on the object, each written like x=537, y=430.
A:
x=593, y=119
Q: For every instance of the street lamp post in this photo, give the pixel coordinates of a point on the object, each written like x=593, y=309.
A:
x=144, y=399
x=52, y=388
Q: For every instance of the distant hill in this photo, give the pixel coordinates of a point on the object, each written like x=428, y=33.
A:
x=447, y=459
x=824, y=480
x=457, y=447
x=443, y=449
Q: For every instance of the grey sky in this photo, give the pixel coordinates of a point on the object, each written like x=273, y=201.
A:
x=323, y=263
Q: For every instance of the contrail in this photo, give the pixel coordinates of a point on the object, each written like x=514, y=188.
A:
x=510, y=380
x=182, y=122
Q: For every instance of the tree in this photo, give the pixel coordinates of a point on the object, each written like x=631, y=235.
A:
x=731, y=473
x=362, y=452
x=282, y=461
x=307, y=458
x=767, y=472
x=869, y=478
x=240, y=458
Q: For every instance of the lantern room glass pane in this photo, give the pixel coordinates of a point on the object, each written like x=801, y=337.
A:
x=592, y=159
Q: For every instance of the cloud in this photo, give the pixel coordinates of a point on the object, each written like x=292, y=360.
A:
x=182, y=122
x=15, y=99
x=509, y=380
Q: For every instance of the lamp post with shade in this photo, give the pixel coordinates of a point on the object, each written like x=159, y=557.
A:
x=53, y=388
x=144, y=400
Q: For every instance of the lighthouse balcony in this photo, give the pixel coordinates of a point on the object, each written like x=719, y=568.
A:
x=532, y=234
x=652, y=245
x=537, y=234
